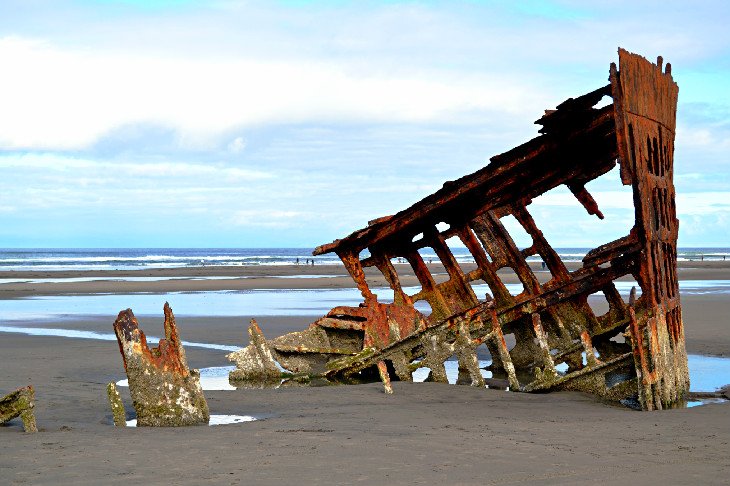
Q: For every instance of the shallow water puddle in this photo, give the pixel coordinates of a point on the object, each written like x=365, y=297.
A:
x=707, y=374
x=704, y=401
x=216, y=377
x=75, y=333
x=269, y=302
x=212, y=378
x=452, y=371
x=214, y=420
x=225, y=303
x=151, y=279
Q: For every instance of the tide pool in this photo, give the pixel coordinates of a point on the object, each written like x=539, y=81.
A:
x=269, y=302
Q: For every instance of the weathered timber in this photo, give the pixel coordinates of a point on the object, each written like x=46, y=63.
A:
x=19, y=403
x=165, y=392
x=254, y=363
x=115, y=403
x=632, y=353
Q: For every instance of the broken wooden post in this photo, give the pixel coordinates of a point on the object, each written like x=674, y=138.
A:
x=115, y=402
x=255, y=362
x=164, y=391
x=385, y=377
x=19, y=403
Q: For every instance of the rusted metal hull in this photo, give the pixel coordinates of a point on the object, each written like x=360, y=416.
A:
x=633, y=353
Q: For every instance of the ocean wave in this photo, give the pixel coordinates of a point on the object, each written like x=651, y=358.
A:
x=140, y=258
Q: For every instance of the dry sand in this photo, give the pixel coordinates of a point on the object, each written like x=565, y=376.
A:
x=425, y=433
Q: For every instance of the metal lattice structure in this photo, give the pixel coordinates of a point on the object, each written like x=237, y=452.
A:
x=634, y=352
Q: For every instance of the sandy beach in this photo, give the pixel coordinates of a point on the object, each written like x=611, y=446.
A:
x=202, y=279
x=423, y=434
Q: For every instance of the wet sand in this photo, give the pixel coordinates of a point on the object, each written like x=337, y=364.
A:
x=425, y=433
x=197, y=279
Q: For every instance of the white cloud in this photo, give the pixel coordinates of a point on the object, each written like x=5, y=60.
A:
x=605, y=199
x=226, y=65
x=703, y=203
x=322, y=117
x=693, y=203
x=57, y=163
x=61, y=98
x=237, y=146
x=710, y=142
x=267, y=218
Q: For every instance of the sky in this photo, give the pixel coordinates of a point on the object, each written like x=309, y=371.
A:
x=185, y=123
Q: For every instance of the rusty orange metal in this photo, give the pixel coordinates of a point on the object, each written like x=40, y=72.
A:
x=551, y=322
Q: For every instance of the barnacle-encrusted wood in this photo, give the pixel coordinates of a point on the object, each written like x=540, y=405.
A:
x=631, y=353
x=19, y=403
x=119, y=415
x=164, y=391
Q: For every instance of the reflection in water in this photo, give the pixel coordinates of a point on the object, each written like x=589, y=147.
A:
x=75, y=333
x=151, y=279
x=706, y=374
x=216, y=378
x=214, y=420
x=212, y=378
x=704, y=401
x=282, y=302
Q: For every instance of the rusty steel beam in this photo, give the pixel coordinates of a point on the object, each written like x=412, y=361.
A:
x=633, y=353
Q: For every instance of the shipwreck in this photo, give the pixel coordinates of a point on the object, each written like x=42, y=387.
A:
x=634, y=353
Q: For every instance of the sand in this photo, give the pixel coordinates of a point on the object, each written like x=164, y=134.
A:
x=423, y=434
x=193, y=279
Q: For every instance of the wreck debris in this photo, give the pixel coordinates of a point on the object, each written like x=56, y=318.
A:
x=164, y=391
x=256, y=362
x=633, y=353
x=385, y=377
x=115, y=402
x=19, y=403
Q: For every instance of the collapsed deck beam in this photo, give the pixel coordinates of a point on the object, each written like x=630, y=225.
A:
x=534, y=168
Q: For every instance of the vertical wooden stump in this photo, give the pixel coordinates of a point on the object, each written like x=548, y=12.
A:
x=115, y=402
x=164, y=391
x=385, y=377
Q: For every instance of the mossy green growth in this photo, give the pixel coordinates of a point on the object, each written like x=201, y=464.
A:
x=164, y=399
x=20, y=403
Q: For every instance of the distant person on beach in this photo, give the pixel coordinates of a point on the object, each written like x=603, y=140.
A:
x=297, y=261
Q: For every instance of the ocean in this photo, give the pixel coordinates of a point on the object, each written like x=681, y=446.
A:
x=56, y=259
